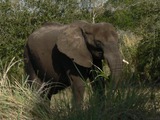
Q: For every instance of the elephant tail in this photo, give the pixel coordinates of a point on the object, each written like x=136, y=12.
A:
x=28, y=66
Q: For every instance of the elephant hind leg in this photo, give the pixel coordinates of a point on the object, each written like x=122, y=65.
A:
x=33, y=79
x=28, y=67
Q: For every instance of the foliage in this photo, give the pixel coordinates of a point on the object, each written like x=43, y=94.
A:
x=19, y=19
x=131, y=14
x=148, y=52
x=148, y=58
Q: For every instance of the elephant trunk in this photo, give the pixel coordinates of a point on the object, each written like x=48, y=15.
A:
x=114, y=61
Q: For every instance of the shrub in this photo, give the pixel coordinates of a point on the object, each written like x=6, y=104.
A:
x=148, y=58
x=148, y=52
x=19, y=19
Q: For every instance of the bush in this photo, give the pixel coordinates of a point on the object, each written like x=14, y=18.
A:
x=148, y=52
x=148, y=58
x=19, y=19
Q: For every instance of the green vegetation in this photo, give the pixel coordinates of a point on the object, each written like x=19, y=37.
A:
x=138, y=25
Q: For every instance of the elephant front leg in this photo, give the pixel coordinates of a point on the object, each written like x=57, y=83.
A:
x=78, y=88
x=97, y=83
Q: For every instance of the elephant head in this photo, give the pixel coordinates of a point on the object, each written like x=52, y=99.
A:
x=83, y=42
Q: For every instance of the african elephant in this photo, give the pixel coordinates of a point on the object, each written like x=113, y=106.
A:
x=64, y=54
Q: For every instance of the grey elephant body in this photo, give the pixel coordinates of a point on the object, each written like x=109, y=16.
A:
x=63, y=55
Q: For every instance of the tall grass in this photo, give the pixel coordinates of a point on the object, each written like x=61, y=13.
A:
x=18, y=100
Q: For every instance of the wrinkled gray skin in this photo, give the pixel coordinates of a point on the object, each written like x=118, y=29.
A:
x=64, y=54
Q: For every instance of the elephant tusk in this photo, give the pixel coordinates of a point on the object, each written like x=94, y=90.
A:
x=125, y=61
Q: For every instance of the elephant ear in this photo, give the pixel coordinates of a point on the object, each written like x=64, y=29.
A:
x=85, y=26
x=72, y=43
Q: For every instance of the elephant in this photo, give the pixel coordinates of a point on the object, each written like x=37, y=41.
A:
x=65, y=54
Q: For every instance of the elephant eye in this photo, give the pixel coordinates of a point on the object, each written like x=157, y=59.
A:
x=98, y=43
x=88, y=33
